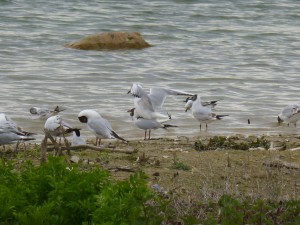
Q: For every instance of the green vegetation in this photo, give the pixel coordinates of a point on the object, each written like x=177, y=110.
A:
x=180, y=166
x=60, y=193
x=221, y=142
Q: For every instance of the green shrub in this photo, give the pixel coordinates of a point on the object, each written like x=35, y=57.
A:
x=181, y=166
x=221, y=142
x=55, y=193
x=233, y=211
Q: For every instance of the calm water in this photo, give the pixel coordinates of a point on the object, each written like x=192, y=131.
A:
x=244, y=53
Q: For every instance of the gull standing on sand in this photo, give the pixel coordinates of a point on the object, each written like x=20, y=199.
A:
x=148, y=124
x=99, y=126
x=289, y=114
x=202, y=113
x=10, y=132
x=45, y=113
x=149, y=106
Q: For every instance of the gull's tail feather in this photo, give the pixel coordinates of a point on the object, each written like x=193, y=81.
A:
x=58, y=109
x=70, y=130
x=168, y=125
x=220, y=116
x=26, y=138
x=117, y=136
x=25, y=133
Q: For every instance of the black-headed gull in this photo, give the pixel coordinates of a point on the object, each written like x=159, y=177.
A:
x=57, y=127
x=189, y=103
x=99, y=126
x=148, y=124
x=149, y=106
x=289, y=114
x=45, y=113
x=10, y=132
x=202, y=113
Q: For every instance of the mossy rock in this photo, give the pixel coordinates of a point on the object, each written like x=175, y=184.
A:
x=111, y=41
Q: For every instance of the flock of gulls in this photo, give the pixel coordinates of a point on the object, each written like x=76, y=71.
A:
x=147, y=114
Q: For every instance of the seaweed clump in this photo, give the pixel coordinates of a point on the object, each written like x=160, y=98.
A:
x=235, y=143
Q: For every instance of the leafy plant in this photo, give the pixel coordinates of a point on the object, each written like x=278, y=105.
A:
x=61, y=193
x=181, y=166
x=221, y=142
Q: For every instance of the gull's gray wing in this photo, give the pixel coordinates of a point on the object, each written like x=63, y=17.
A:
x=137, y=91
x=159, y=95
x=290, y=110
x=102, y=128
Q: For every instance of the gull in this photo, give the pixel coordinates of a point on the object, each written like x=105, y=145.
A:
x=77, y=139
x=45, y=113
x=99, y=126
x=147, y=105
x=148, y=124
x=56, y=127
x=202, y=113
x=189, y=103
x=289, y=114
x=10, y=132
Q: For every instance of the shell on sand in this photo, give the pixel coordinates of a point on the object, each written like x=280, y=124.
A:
x=111, y=40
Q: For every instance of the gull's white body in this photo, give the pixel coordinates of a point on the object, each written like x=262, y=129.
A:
x=289, y=114
x=57, y=127
x=147, y=124
x=9, y=132
x=99, y=126
x=202, y=113
x=148, y=106
x=189, y=104
x=44, y=113
x=77, y=139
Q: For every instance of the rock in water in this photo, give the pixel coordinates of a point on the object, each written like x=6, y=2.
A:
x=111, y=41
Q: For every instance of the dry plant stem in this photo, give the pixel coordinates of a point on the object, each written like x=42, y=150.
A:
x=44, y=150
x=56, y=146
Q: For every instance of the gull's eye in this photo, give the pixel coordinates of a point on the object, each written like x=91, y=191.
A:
x=83, y=119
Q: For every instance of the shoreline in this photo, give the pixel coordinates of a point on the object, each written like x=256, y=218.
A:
x=177, y=166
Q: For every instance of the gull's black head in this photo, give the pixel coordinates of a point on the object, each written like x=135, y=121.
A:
x=194, y=97
x=187, y=99
x=83, y=119
x=85, y=115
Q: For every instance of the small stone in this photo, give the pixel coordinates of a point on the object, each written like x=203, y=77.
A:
x=74, y=159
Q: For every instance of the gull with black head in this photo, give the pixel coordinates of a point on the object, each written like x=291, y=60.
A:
x=148, y=124
x=150, y=105
x=99, y=126
x=202, y=113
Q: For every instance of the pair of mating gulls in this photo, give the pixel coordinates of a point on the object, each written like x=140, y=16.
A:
x=148, y=107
